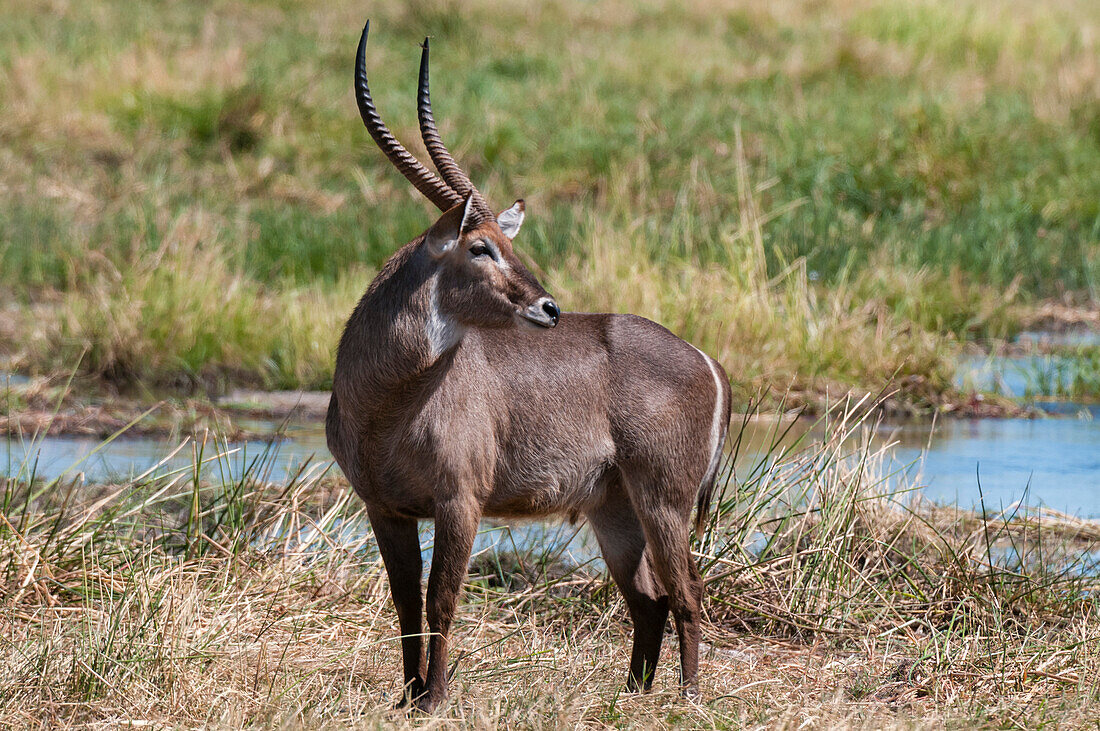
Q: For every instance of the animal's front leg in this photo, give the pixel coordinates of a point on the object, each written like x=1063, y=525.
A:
x=455, y=527
x=399, y=545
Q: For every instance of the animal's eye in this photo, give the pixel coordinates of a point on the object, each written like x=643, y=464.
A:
x=480, y=249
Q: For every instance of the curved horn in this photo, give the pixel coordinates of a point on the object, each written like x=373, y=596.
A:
x=448, y=169
x=423, y=179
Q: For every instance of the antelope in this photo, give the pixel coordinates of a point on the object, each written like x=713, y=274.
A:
x=461, y=391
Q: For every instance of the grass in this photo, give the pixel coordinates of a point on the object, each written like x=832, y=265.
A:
x=823, y=196
x=183, y=598
x=1071, y=373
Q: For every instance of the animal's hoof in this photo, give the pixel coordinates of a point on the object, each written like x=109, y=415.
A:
x=428, y=703
x=412, y=691
x=636, y=684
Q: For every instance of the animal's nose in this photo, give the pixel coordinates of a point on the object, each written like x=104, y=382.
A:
x=543, y=312
x=550, y=307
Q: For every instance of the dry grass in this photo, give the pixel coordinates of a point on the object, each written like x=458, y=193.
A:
x=832, y=602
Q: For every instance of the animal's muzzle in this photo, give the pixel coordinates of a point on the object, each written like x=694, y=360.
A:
x=544, y=312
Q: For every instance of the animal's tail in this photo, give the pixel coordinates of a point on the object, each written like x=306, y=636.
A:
x=710, y=479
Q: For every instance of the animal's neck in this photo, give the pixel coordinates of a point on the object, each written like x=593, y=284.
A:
x=398, y=338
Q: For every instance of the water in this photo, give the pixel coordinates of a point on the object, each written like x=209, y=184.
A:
x=1021, y=377
x=1054, y=462
x=1031, y=375
x=127, y=457
x=1068, y=338
x=1049, y=461
x=1015, y=377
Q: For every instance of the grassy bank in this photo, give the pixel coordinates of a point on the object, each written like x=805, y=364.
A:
x=822, y=195
x=183, y=600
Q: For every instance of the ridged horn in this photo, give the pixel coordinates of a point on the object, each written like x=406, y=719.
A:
x=423, y=179
x=448, y=169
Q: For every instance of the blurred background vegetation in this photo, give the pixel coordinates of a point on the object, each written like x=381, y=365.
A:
x=825, y=195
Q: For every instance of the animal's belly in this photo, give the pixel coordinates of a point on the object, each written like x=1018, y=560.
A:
x=543, y=468
x=530, y=494
x=537, y=487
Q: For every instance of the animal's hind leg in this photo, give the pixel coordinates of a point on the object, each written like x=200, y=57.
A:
x=665, y=513
x=623, y=543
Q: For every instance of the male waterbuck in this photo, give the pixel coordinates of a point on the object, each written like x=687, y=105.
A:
x=461, y=391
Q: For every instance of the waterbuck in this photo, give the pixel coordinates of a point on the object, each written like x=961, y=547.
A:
x=461, y=391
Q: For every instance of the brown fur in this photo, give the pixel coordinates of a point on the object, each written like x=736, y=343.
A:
x=448, y=404
x=606, y=415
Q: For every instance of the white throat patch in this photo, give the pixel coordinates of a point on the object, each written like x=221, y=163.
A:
x=442, y=332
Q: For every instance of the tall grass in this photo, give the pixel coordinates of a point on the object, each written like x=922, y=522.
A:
x=922, y=170
x=180, y=598
x=183, y=315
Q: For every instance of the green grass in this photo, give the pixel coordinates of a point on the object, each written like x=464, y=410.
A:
x=1069, y=372
x=914, y=159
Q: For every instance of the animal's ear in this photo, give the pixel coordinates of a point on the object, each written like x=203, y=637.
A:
x=446, y=231
x=511, y=219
